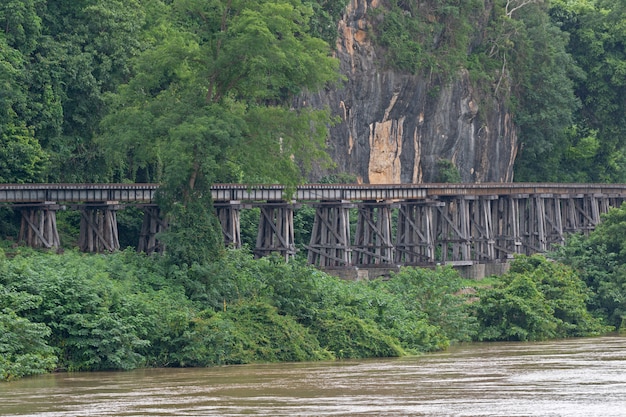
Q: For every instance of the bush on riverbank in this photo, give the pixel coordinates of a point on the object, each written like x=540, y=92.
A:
x=600, y=259
x=536, y=300
x=124, y=310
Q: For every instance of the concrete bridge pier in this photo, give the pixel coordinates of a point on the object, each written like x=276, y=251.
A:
x=98, y=227
x=39, y=225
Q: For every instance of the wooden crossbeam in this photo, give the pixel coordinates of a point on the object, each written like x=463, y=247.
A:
x=275, y=233
x=330, y=238
x=39, y=228
x=151, y=226
x=98, y=228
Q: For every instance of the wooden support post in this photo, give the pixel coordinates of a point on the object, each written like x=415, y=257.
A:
x=554, y=221
x=415, y=235
x=98, y=228
x=452, y=233
x=569, y=212
x=39, y=225
x=151, y=226
x=536, y=231
x=507, y=232
x=482, y=228
x=276, y=233
x=229, y=217
x=330, y=238
x=373, y=244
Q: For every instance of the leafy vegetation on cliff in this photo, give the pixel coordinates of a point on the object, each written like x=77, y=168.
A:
x=557, y=64
x=190, y=91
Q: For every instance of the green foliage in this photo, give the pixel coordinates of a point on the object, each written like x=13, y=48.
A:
x=211, y=98
x=23, y=347
x=21, y=158
x=428, y=37
x=600, y=259
x=57, y=59
x=194, y=234
x=536, y=300
x=543, y=95
x=447, y=172
x=326, y=14
x=436, y=294
x=79, y=308
x=597, y=34
x=248, y=332
x=348, y=336
x=124, y=310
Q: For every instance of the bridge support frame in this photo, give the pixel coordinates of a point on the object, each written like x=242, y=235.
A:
x=373, y=243
x=452, y=230
x=415, y=234
x=276, y=234
x=98, y=227
x=153, y=223
x=481, y=228
x=330, y=238
x=39, y=225
x=229, y=215
x=506, y=222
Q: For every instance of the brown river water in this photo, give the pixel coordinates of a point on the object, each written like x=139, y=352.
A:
x=574, y=377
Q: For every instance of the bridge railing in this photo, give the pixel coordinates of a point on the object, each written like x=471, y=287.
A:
x=145, y=193
x=73, y=193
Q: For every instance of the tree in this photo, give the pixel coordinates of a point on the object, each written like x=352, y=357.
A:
x=210, y=100
x=537, y=299
x=597, y=35
x=543, y=90
x=57, y=59
x=21, y=157
x=600, y=259
x=84, y=52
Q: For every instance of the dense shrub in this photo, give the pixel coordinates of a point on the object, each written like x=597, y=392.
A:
x=537, y=299
x=600, y=260
x=247, y=332
x=23, y=347
x=126, y=310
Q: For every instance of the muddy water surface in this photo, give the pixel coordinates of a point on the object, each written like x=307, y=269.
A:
x=576, y=377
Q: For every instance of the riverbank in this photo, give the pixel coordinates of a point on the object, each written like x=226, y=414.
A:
x=74, y=311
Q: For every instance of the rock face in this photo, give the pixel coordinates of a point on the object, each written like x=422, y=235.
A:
x=394, y=127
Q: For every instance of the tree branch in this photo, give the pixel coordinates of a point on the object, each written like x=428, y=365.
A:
x=511, y=3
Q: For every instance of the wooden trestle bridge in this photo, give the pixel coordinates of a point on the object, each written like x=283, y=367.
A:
x=354, y=225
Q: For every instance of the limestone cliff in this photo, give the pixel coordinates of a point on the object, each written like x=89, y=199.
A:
x=395, y=126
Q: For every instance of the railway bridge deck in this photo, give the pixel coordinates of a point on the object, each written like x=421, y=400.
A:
x=354, y=225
